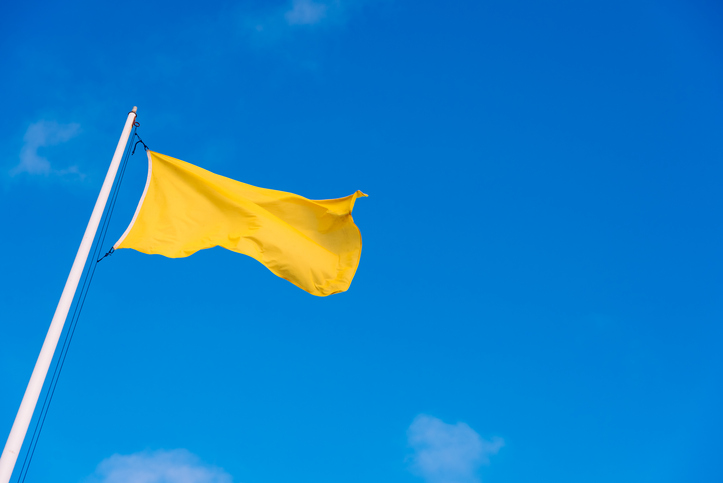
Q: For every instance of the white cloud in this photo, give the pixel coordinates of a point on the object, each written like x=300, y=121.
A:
x=278, y=23
x=305, y=12
x=175, y=466
x=448, y=453
x=42, y=134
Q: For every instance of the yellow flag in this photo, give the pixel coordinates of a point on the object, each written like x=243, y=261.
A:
x=313, y=244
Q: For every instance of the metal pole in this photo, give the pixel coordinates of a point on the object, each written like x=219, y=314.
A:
x=30, y=399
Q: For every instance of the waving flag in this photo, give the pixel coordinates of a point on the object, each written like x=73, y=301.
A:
x=313, y=244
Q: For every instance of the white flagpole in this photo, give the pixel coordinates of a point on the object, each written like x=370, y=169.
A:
x=30, y=399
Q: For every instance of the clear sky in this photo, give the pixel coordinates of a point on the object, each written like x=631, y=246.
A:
x=539, y=294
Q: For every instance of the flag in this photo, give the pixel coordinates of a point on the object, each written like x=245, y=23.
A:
x=313, y=244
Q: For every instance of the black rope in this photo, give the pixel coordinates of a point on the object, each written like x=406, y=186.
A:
x=89, y=272
x=110, y=252
x=115, y=196
x=139, y=141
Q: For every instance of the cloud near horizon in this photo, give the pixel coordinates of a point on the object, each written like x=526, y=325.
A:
x=174, y=466
x=448, y=453
x=43, y=134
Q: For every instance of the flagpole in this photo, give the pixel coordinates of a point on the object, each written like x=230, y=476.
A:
x=35, y=386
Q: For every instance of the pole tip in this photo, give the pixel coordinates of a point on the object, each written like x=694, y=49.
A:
x=135, y=109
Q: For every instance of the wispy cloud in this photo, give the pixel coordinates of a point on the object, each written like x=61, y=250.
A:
x=448, y=453
x=296, y=15
x=39, y=135
x=176, y=466
x=305, y=12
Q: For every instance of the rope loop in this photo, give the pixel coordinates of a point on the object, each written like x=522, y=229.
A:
x=110, y=252
x=136, y=144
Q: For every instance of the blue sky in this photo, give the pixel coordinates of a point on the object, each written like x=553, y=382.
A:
x=539, y=294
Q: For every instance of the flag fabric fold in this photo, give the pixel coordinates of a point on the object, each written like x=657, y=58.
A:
x=313, y=244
